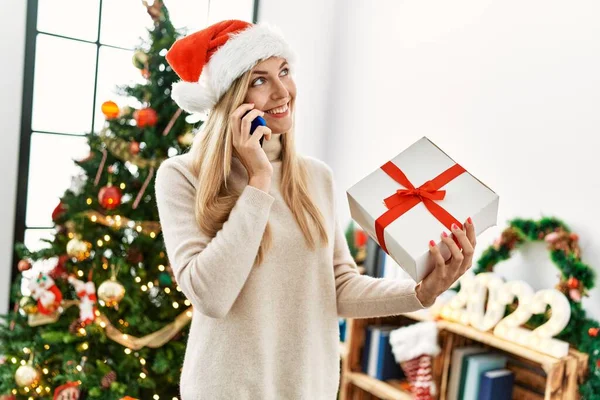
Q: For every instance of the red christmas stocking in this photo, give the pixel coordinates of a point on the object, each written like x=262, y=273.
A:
x=414, y=347
x=418, y=372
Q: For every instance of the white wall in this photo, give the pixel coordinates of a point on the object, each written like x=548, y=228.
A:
x=11, y=87
x=308, y=26
x=510, y=89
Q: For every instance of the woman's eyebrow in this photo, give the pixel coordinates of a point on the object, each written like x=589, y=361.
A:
x=265, y=72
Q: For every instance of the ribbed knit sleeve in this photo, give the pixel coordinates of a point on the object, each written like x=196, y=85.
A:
x=363, y=296
x=210, y=271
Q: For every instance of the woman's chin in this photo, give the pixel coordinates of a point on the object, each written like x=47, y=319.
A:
x=280, y=125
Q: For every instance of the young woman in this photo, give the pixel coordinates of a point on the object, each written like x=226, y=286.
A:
x=252, y=232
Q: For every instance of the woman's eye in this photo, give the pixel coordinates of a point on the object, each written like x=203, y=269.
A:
x=258, y=79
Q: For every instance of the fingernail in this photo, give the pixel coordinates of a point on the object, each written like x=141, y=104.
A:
x=444, y=234
x=454, y=226
x=431, y=243
x=469, y=220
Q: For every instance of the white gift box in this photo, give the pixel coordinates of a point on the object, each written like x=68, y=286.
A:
x=407, y=228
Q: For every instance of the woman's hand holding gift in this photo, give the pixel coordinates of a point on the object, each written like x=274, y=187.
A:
x=446, y=272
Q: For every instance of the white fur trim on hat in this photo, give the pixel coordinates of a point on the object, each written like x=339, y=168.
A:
x=194, y=96
x=414, y=340
x=239, y=54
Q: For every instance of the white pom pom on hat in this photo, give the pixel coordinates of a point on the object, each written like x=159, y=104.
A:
x=210, y=60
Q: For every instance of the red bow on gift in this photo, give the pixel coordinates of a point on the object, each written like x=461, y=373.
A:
x=405, y=199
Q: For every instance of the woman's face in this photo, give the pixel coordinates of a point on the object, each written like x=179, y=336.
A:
x=270, y=88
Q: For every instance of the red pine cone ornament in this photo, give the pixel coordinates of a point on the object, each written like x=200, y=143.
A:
x=108, y=379
x=145, y=117
x=573, y=283
x=110, y=197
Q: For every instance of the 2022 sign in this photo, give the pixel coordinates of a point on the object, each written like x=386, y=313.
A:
x=468, y=307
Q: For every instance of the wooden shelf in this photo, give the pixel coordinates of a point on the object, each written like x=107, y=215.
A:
x=383, y=390
x=488, y=338
x=557, y=378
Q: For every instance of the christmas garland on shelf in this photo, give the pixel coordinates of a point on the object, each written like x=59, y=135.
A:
x=575, y=280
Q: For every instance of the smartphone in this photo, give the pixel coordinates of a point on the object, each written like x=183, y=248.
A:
x=258, y=121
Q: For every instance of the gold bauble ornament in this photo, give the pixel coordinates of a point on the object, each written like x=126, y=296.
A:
x=111, y=292
x=26, y=375
x=186, y=139
x=79, y=249
x=28, y=305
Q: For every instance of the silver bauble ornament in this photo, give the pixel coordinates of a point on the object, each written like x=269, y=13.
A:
x=26, y=375
x=111, y=292
x=79, y=249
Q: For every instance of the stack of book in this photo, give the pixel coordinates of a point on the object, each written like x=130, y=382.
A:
x=479, y=374
x=377, y=359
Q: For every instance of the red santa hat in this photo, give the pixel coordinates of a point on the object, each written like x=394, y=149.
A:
x=210, y=60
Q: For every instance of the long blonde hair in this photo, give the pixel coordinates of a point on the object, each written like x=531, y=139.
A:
x=212, y=150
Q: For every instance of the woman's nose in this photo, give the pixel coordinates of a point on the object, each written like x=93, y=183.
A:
x=280, y=90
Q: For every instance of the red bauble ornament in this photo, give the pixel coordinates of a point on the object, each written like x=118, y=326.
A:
x=110, y=109
x=360, y=238
x=59, y=210
x=23, y=265
x=145, y=117
x=573, y=283
x=134, y=147
x=593, y=332
x=68, y=391
x=109, y=197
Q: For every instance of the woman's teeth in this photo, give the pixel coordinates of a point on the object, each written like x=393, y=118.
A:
x=278, y=110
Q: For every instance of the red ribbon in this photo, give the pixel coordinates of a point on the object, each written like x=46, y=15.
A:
x=405, y=199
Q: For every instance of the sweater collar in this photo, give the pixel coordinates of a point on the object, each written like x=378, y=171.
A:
x=273, y=147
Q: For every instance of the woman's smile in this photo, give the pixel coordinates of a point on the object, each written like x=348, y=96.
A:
x=283, y=111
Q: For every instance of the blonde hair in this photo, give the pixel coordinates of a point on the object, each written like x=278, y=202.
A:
x=212, y=150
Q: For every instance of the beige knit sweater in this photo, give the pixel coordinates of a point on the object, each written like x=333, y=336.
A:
x=269, y=332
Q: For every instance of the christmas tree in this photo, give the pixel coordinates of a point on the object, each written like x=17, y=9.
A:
x=103, y=317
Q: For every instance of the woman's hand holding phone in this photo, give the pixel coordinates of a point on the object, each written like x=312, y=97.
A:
x=247, y=145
